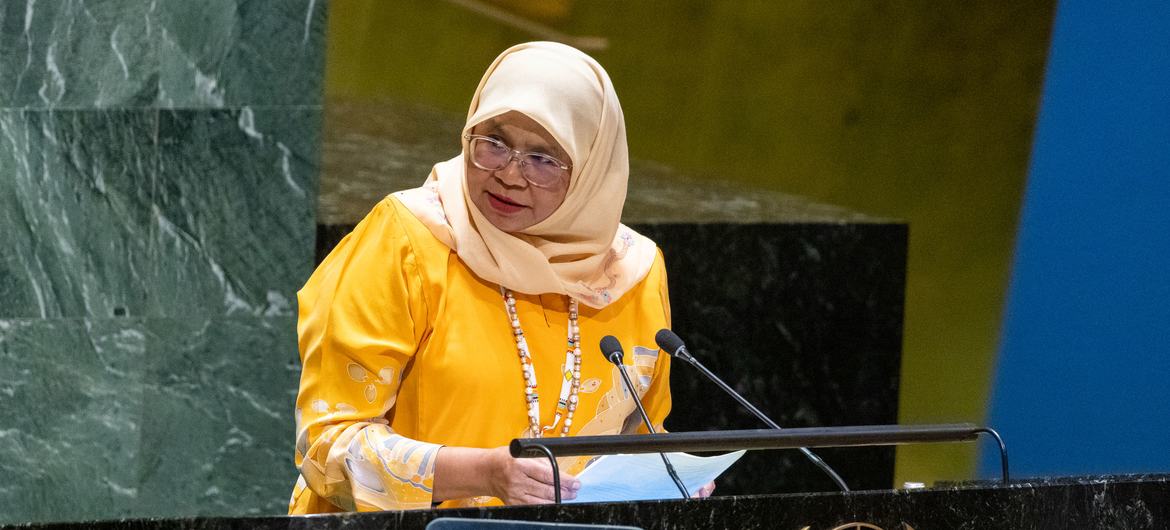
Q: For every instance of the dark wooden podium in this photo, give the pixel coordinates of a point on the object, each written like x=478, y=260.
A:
x=1115, y=502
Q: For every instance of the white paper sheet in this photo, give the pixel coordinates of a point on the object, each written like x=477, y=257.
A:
x=643, y=477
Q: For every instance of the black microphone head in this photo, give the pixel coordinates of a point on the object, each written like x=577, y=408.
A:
x=669, y=342
x=612, y=349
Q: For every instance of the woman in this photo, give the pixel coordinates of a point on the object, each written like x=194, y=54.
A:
x=436, y=331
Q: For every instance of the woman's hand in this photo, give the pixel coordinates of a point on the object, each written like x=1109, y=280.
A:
x=526, y=480
x=462, y=472
x=706, y=490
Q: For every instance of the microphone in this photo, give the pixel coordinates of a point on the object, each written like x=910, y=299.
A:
x=613, y=352
x=672, y=344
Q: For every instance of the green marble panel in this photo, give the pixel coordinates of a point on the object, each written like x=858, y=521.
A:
x=75, y=210
x=77, y=53
x=71, y=418
x=226, y=53
x=217, y=435
x=108, y=418
x=235, y=199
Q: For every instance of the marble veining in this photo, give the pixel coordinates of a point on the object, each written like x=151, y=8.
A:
x=217, y=420
x=74, y=54
x=72, y=417
x=146, y=417
x=74, y=219
x=227, y=53
x=158, y=168
x=234, y=209
x=133, y=213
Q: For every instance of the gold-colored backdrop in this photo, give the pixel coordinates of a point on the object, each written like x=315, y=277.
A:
x=917, y=110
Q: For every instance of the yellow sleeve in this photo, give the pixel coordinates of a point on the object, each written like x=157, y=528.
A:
x=362, y=315
x=657, y=398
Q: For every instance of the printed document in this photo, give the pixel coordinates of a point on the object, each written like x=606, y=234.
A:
x=643, y=477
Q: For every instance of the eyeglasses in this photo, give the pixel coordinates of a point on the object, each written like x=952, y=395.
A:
x=490, y=154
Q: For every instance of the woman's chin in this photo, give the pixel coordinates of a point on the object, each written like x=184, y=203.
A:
x=514, y=222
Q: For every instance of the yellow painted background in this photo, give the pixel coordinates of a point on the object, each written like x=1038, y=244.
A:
x=917, y=110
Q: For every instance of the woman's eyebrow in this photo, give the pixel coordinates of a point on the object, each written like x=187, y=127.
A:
x=543, y=148
x=555, y=151
x=493, y=128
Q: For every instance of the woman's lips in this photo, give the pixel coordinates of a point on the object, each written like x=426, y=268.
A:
x=503, y=204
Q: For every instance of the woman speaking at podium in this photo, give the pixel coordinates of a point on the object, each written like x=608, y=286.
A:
x=467, y=312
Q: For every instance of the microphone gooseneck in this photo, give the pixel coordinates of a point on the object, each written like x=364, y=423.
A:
x=612, y=349
x=672, y=344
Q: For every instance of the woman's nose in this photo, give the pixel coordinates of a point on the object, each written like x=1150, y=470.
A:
x=512, y=174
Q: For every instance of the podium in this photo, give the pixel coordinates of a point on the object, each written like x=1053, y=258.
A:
x=1111, y=501
x=1115, y=502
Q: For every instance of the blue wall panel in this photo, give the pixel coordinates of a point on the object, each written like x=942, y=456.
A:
x=1083, y=378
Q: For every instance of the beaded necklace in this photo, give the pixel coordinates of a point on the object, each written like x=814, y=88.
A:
x=571, y=382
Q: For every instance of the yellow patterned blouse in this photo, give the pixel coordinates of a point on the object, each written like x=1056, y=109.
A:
x=404, y=350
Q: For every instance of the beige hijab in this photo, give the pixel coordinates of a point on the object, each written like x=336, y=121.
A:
x=581, y=250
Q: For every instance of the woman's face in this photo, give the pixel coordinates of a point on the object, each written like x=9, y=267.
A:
x=504, y=196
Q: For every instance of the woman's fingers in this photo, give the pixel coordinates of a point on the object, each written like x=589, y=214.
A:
x=541, y=494
x=544, y=494
x=529, y=481
x=707, y=490
x=541, y=471
x=541, y=474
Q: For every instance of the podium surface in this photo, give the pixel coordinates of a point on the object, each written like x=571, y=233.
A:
x=1116, y=502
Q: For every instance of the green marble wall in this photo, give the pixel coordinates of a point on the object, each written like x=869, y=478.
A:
x=158, y=181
